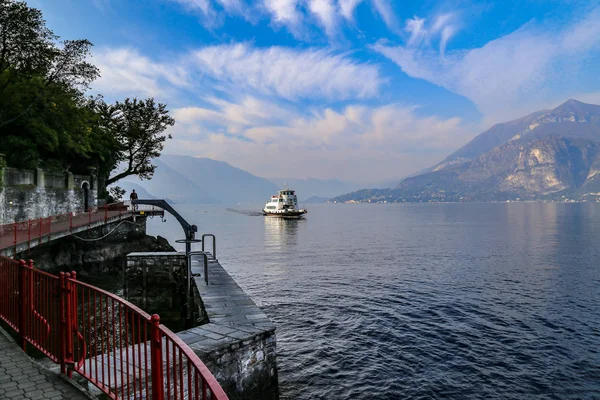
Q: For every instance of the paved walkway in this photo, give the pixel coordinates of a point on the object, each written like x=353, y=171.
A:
x=22, y=378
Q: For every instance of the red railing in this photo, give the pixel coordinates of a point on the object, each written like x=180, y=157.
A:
x=116, y=346
x=36, y=231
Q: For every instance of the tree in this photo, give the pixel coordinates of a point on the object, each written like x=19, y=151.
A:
x=43, y=114
x=137, y=126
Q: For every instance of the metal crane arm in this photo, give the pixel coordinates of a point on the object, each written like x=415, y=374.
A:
x=190, y=230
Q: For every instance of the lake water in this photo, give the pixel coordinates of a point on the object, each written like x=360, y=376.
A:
x=459, y=301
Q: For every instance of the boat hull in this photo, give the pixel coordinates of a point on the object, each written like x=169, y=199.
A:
x=287, y=214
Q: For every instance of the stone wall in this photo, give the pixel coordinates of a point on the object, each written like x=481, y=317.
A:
x=237, y=344
x=32, y=194
x=154, y=279
x=246, y=368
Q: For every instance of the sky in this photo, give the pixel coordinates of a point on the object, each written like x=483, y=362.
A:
x=358, y=90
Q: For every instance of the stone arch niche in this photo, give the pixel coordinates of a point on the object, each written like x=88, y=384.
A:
x=85, y=187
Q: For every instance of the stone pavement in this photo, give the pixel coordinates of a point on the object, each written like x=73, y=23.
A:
x=233, y=315
x=23, y=378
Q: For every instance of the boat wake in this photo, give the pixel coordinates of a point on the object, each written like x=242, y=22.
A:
x=249, y=213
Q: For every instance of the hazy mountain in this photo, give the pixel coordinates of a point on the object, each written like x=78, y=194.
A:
x=226, y=183
x=170, y=184
x=306, y=188
x=129, y=186
x=327, y=188
x=202, y=180
x=315, y=200
x=546, y=154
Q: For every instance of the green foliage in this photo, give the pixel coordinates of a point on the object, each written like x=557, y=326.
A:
x=116, y=194
x=138, y=127
x=45, y=116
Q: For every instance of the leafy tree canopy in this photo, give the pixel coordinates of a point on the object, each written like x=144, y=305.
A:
x=138, y=127
x=45, y=116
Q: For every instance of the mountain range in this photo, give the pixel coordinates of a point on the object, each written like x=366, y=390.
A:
x=184, y=179
x=546, y=155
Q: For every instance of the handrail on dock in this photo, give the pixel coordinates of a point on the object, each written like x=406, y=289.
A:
x=35, y=231
x=214, y=241
x=116, y=346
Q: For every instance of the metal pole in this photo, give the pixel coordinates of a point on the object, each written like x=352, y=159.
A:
x=205, y=268
x=23, y=299
x=62, y=337
x=158, y=389
x=15, y=242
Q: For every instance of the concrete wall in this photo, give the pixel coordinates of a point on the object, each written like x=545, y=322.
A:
x=31, y=194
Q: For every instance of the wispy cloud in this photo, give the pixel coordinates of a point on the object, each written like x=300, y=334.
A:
x=241, y=68
x=508, y=75
x=384, y=8
x=284, y=12
x=203, y=8
x=347, y=8
x=326, y=13
x=297, y=16
x=289, y=73
x=125, y=70
x=349, y=144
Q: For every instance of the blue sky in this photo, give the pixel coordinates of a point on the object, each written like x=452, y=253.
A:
x=361, y=90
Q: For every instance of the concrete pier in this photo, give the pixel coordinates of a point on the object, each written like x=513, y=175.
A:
x=238, y=344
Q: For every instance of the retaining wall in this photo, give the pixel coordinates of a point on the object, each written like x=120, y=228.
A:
x=32, y=194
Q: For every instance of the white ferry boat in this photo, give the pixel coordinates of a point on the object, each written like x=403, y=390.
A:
x=284, y=205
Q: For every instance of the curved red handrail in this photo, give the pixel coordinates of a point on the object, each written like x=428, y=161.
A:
x=72, y=327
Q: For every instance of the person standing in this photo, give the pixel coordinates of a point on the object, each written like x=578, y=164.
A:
x=133, y=196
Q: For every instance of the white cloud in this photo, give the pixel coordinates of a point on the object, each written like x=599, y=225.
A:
x=347, y=8
x=294, y=15
x=125, y=70
x=240, y=68
x=416, y=27
x=444, y=25
x=211, y=12
x=284, y=12
x=508, y=76
x=326, y=13
x=204, y=7
x=356, y=143
x=384, y=9
x=289, y=73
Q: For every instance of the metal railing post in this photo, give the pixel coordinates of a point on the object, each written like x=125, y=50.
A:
x=68, y=323
x=71, y=222
x=73, y=325
x=41, y=222
x=15, y=240
x=205, y=268
x=214, y=238
x=62, y=337
x=158, y=390
x=23, y=300
x=28, y=235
